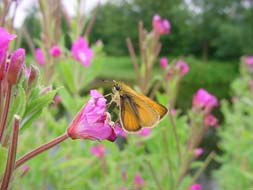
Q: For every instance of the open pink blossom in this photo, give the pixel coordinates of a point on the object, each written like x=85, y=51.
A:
x=198, y=152
x=211, y=120
x=163, y=62
x=82, y=52
x=144, y=132
x=138, y=180
x=119, y=131
x=195, y=186
x=39, y=56
x=203, y=99
x=160, y=26
x=92, y=122
x=98, y=150
x=55, y=51
x=248, y=60
x=5, y=38
x=183, y=67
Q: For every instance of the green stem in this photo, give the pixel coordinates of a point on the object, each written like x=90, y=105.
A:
x=205, y=164
x=174, y=127
x=159, y=186
x=170, y=169
x=11, y=154
x=5, y=111
x=41, y=149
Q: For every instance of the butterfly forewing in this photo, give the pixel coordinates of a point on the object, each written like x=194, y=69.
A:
x=128, y=117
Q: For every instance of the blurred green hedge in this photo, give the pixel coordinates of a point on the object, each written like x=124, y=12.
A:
x=214, y=76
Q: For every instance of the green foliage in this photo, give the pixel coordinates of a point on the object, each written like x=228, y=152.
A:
x=216, y=29
x=236, y=137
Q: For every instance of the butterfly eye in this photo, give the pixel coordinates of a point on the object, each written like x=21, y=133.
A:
x=117, y=87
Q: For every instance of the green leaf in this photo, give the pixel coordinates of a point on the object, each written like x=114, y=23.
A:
x=18, y=105
x=34, y=108
x=66, y=70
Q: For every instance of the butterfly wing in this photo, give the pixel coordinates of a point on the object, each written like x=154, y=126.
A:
x=162, y=110
x=136, y=113
x=128, y=116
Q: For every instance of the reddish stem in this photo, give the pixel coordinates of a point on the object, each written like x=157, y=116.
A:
x=5, y=111
x=41, y=149
x=11, y=154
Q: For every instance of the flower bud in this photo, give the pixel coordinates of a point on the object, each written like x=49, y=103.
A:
x=33, y=76
x=15, y=66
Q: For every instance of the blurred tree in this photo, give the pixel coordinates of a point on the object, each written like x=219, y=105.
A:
x=219, y=29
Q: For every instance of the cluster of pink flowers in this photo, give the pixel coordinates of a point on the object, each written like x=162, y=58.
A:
x=11, y=64
x=92, y=122
x=55, y=51
x=161, y=26
x=248, y=59
x=180, y=67
x=205, y=101
x=80, y=51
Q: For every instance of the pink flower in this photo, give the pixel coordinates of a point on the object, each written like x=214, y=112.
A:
x=92, y=122
x=124, y=175
x=203, y=99
x=173, y=111
x=39, y=56
x=248, y=60
x=183, y=67
x=81, y=52
x=144, y=132
x=163, y=62
x=160, y=26
x=195, y=186
x=5, y=38
x=138, y=180
x=57, y=99
x=98, y=150
x=55, y=51
x=198, y=152
x=210, y=120
x=119, y=131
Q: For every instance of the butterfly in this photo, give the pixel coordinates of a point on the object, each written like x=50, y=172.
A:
x=135, y=109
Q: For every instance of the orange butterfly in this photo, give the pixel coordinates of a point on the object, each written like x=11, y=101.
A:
x=136, y=110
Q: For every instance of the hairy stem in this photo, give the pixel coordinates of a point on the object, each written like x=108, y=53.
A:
x=5, y=111
x=11, y=154
x=41, y=149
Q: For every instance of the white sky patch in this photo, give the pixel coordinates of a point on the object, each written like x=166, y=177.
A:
x=193, y=7
x=70, y=6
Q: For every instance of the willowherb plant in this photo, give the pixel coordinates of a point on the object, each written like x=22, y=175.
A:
x=237, y=133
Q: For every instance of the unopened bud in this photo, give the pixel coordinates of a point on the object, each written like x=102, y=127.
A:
x=15, y=66
x=33, y=75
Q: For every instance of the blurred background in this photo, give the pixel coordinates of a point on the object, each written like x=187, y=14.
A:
x=211, y=36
